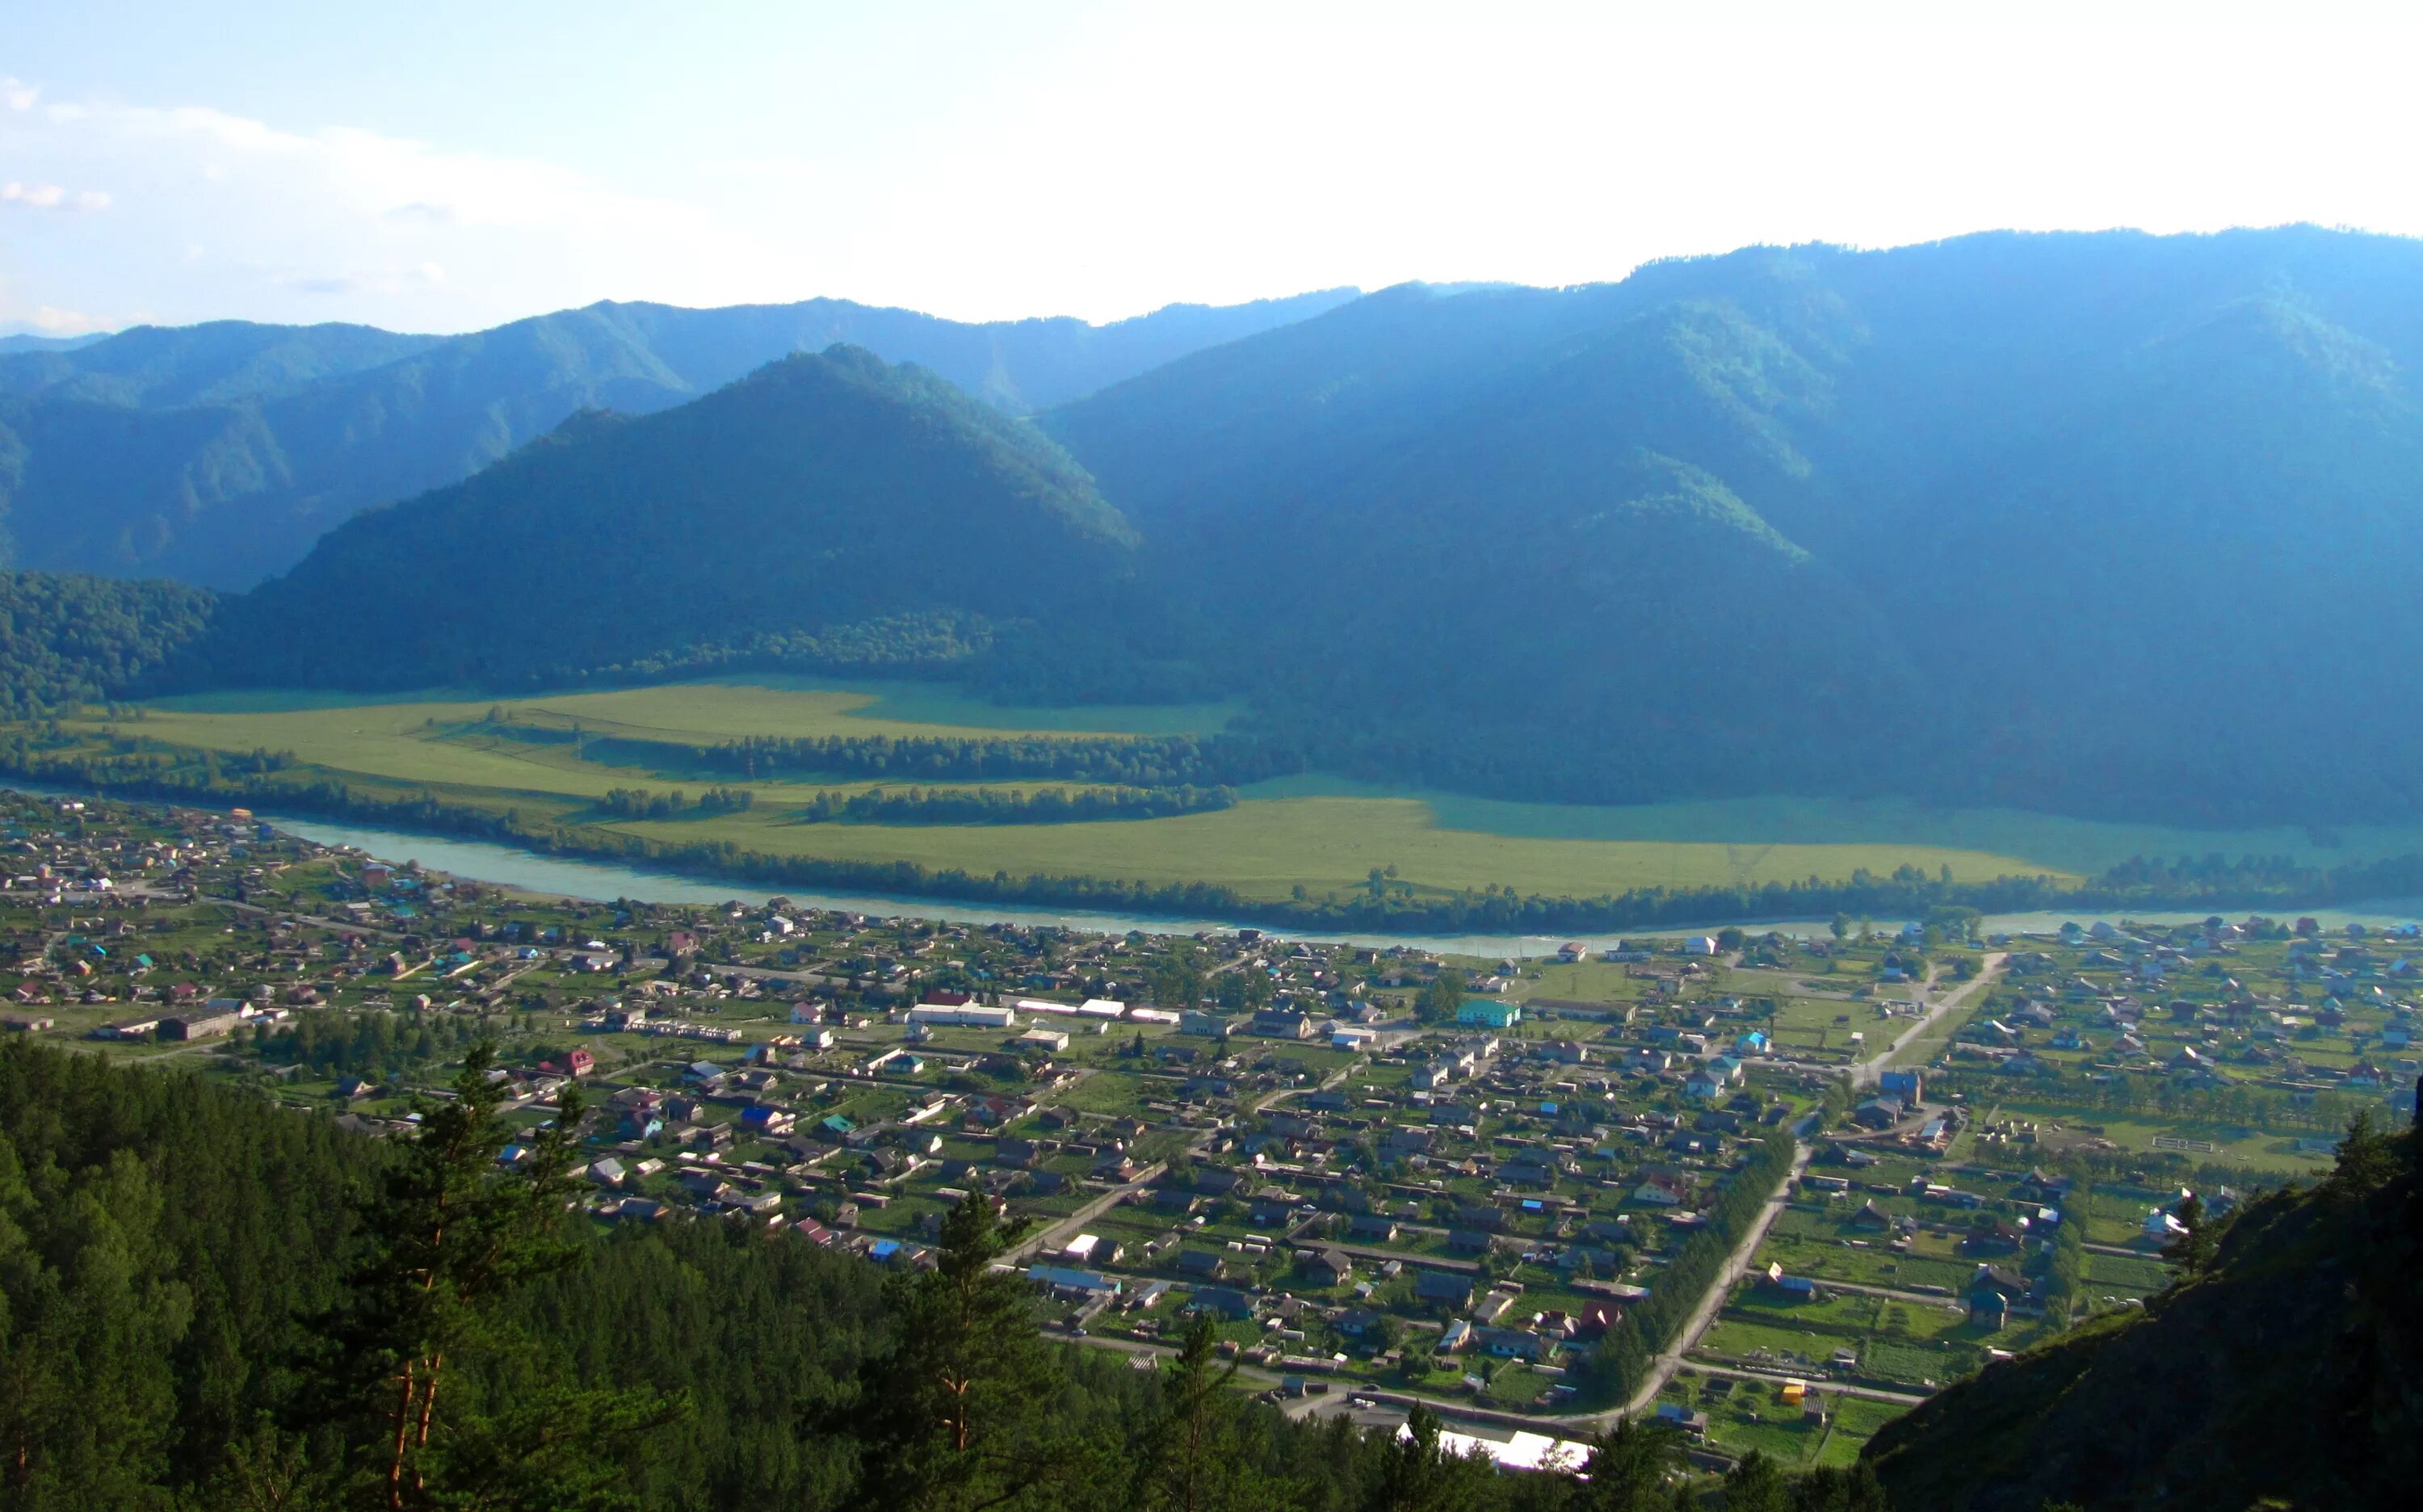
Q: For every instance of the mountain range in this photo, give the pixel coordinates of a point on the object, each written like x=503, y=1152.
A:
x=825, y=508
x=2113, y=524
x=217, y=454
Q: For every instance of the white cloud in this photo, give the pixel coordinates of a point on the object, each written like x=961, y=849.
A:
x=45, y=321
x=401, y=232
x=17, y=94
x=51, y=197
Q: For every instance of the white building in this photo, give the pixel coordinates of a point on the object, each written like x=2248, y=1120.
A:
x=974, y=1015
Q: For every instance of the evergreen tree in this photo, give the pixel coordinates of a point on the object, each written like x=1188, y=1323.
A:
x=960, y=1417
x=1619, y=1360
x=1757, y=1484
x=1194, y=1460
x=2190, y=1250
x=85, y=1414
x=2367, y=1159
x=451, y=1238
x=1419, y=1473
x=1632, y=1467
x=1826, y=1490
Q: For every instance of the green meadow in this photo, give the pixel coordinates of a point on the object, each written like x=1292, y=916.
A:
x=1323, y=835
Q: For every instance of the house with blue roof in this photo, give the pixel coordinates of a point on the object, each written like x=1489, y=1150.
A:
x=760, y=1119
x=1064, y=1279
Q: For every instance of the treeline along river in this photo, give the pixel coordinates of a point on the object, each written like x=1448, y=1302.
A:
x=2143, y=884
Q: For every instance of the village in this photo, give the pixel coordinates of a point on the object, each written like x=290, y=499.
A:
x=1823, y=1176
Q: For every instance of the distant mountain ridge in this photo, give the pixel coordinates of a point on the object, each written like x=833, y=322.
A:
x=2112, y=525
x=25, y=342
x=168, y=367
x=216, y=453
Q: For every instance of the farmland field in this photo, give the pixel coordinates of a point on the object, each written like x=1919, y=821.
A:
x=2050, y=842
x=1268, y=847
x=2133, y=1278
x=1316, y=833
x=778, y=706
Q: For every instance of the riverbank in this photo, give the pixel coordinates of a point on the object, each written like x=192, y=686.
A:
x=1496, y=919
x=540, y=875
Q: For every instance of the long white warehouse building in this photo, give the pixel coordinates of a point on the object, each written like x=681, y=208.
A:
x=974, y=1014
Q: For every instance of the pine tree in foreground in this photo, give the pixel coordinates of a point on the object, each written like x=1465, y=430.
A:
x=444, y=1403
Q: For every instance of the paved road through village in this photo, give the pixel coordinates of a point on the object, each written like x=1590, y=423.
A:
x=1673, y=1358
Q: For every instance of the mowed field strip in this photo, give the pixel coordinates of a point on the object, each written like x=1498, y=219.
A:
x=1266, y=847
x=1318, y=834
x=784, y=708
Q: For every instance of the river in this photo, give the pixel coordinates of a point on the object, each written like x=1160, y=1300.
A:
x=556, y=876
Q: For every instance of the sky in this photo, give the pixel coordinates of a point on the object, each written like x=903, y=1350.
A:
x=446, y=167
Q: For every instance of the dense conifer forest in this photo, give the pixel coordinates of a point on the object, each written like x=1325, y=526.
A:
x=65, y=638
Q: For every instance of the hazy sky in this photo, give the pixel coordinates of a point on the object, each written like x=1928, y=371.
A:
x=443, y=166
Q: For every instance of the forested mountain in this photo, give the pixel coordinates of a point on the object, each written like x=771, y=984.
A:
x=826, y=508
x=215, y=453
x=2284, y=1372
x=65, y=639
x=2112, y=523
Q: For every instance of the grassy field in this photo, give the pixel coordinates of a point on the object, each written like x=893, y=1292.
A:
x=1322, y=836
x=2050, y=842
x=777, y=705
x=2232, y=1145
x=1267, y=847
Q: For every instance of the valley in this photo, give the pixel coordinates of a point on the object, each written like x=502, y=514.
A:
x=1207, y=758
x=1098, y=841
x=562, y=755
